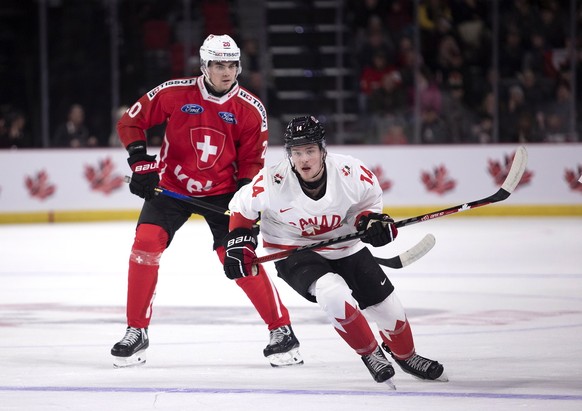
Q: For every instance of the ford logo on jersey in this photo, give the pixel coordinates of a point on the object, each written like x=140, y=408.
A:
x=192, y=109
x=228, y=117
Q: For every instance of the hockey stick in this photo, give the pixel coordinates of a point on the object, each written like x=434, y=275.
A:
x=399, y=261
x=187, y=199
x=511, y=181
x=410, y=255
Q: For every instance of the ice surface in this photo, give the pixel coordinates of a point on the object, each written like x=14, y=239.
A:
x=498, y=301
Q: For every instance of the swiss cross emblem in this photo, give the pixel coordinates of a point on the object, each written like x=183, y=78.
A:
x=208, y=145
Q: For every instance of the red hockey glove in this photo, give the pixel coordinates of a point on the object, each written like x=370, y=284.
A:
x=145, y=176
x=380, y=229
x=239, y=246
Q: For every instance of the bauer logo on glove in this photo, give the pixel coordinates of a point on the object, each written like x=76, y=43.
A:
x=239, y=246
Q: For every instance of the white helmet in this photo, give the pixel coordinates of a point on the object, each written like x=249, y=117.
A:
x=219, y=48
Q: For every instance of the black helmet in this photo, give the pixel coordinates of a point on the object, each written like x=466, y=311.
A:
x=304, y=130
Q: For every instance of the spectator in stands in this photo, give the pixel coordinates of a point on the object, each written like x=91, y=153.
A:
x=387, y=106
x=536, y=92
x=376, y=41
x=555, y=119
x=371, y=77
x=534, y=58
x=456, y=115
x=430, y=95
x=511, y=53
x=435, y=20
x=433, y=130
x=482, y=131
x=14, y=132
x=510, y=111
x=74, y=133
x=399, y=19
x=552, y=23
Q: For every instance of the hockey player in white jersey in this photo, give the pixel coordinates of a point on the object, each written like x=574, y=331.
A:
x=315, y=196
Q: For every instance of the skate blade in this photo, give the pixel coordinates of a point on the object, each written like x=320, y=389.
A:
x=390, y=384
x=285, y=359
x=137, y=359
x=442, y=378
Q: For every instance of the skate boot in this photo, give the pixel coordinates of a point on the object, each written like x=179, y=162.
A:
x=379, y=366
x=130, y=351
x=283, y=348
x=420, y=367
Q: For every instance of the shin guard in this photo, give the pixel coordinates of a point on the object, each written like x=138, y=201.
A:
x=264, y=296
x=144, y=262
x=335, y=298
x=394, y=328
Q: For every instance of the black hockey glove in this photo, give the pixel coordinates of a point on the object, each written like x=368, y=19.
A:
x=145, y=176
x=242, y=182
x=380, y=229
x=239, y=246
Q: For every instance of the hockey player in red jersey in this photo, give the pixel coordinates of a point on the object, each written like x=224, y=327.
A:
x=215, y=143
x=316, y=196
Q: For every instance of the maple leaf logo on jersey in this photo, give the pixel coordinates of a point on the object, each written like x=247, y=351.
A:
x=574, y=179
x=208, y=145
x=316, y=225
x=277, y=178
x=385, y=184
x=346, y=170
x=39, y=186
x=438, y=182
x=101, y=177
x=499, y=170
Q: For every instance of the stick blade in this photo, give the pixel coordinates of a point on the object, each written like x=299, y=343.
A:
x=516, y=172
x=409, y=256
x=418, y=251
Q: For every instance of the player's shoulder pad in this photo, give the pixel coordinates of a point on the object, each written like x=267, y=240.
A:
x=180, y=82
x=277, y=175
x=254, y=102
x=345, y=164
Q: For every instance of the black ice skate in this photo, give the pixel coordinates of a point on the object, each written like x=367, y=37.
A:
x=131, y=349
x=283, y=348
x=379, y=366
x=420, y=367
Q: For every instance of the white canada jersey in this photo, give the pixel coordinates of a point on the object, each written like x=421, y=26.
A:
x=291, y=219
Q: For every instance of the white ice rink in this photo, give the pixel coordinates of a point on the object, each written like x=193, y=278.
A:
x=498, y=301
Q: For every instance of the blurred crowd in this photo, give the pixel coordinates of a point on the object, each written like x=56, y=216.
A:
x=456, y=79
x=454, y=97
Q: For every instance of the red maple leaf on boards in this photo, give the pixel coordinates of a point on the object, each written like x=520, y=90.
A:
x=438, y=182
x=573, y=178
x=385, y=183
x=101, y=178
x=38, y=186
x=499, y=170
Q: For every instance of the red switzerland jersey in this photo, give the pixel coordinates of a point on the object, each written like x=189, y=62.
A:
x=210, y=142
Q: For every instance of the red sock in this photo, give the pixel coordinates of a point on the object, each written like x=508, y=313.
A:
x=356, y=331
x=264, y=296
x=399, y=340
x=149, y=244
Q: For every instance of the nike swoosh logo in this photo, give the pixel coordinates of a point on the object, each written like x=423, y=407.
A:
x=383, y=282
x=282, y=210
